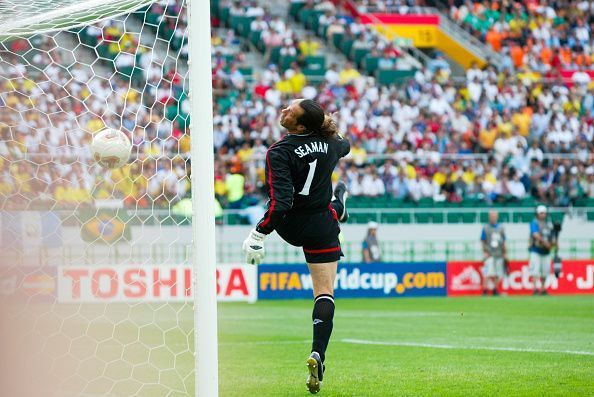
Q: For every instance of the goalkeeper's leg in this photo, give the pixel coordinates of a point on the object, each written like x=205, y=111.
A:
x=323, y=275
x=339, y=203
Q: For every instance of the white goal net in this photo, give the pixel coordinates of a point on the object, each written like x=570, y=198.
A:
x=95, y=264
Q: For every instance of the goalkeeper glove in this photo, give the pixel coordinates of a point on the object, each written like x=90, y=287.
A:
x=253, y=247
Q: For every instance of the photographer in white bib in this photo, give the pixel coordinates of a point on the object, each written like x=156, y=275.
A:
x=493, y=242
x=542, y=242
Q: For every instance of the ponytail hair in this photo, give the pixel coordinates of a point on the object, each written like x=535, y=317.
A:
x=329, y=129
x=314, y=119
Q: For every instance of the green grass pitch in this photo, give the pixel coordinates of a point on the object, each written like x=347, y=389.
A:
x=504, y=346
x=433, y=347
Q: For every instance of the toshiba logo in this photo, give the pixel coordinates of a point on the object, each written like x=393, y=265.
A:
x=154, y=283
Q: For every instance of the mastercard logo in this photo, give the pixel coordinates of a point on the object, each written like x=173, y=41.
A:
x=39, y=284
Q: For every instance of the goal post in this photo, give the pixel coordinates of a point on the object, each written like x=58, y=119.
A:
x=107, y=284
x=203, y=222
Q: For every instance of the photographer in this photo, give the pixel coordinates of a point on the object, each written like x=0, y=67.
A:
x=543, y=238
x=370, y=246
x=493, y=242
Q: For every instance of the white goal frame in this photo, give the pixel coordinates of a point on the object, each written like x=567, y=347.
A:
x=203, y=221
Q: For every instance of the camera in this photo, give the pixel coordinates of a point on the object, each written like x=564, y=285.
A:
x=556, y=229
x=557, y=265
x=557, y=262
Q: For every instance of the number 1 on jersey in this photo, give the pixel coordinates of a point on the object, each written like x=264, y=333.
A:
x=309, y=180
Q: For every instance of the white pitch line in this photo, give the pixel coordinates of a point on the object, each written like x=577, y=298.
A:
x=346, y=314
x=493, y=348
x=264, y=342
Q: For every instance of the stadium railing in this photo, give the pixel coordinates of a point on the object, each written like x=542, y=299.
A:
x=277, y=252
x=432, y=214
x=364, y=209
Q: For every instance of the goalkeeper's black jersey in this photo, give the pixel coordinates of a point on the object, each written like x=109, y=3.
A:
x=298, y=176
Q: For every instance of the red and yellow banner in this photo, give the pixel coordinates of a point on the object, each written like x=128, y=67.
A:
x=424, y=31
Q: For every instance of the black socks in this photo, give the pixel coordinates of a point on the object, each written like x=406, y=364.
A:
x=323, y=313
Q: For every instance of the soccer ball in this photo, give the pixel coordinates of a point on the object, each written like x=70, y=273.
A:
x=111, y=148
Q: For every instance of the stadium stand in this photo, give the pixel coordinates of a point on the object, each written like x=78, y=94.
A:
x=421, y=139
x=551, y=39
x=442, y=126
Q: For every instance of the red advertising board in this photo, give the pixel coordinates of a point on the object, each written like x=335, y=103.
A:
x=466, y=278
x=577, y=277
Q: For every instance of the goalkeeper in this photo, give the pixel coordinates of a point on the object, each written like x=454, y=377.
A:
x=495, y=264
x=298, y=178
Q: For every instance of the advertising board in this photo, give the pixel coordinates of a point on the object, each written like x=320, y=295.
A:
x=150, y=283
x=356, y=280
x=576, y=277
x=28, y=282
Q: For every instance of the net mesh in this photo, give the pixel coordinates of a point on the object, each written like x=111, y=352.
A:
x=94, y=263
x=29, y=17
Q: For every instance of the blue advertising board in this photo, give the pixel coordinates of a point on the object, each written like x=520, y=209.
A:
x=357, y=280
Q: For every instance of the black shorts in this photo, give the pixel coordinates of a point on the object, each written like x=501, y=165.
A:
x=317, y=233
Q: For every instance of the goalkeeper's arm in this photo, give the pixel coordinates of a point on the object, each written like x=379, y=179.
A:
x=280, y=192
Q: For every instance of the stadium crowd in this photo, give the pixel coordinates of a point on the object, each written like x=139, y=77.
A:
x=501, y=125
x=542, y=36
x=489, y=139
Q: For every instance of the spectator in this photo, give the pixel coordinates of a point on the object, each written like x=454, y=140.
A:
x=236, y=77
x=284, y=85
x=348, y=75
x=236, y=9
x=401, y=187
x=588, y=183
x=288, y=49
x=474, y=73
x=438, y=63
x=516, y=187
x=235, y=186
x=254, y=10
x=270, y=76
x=358, y=154
x=271, y=38
x=259, y=24
x=357, y=188
x=373, y=186
x=459, y=122
x=297, y=79
x=487, y=137
x=331, y=76
x=308, y=46
x=279, y=25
